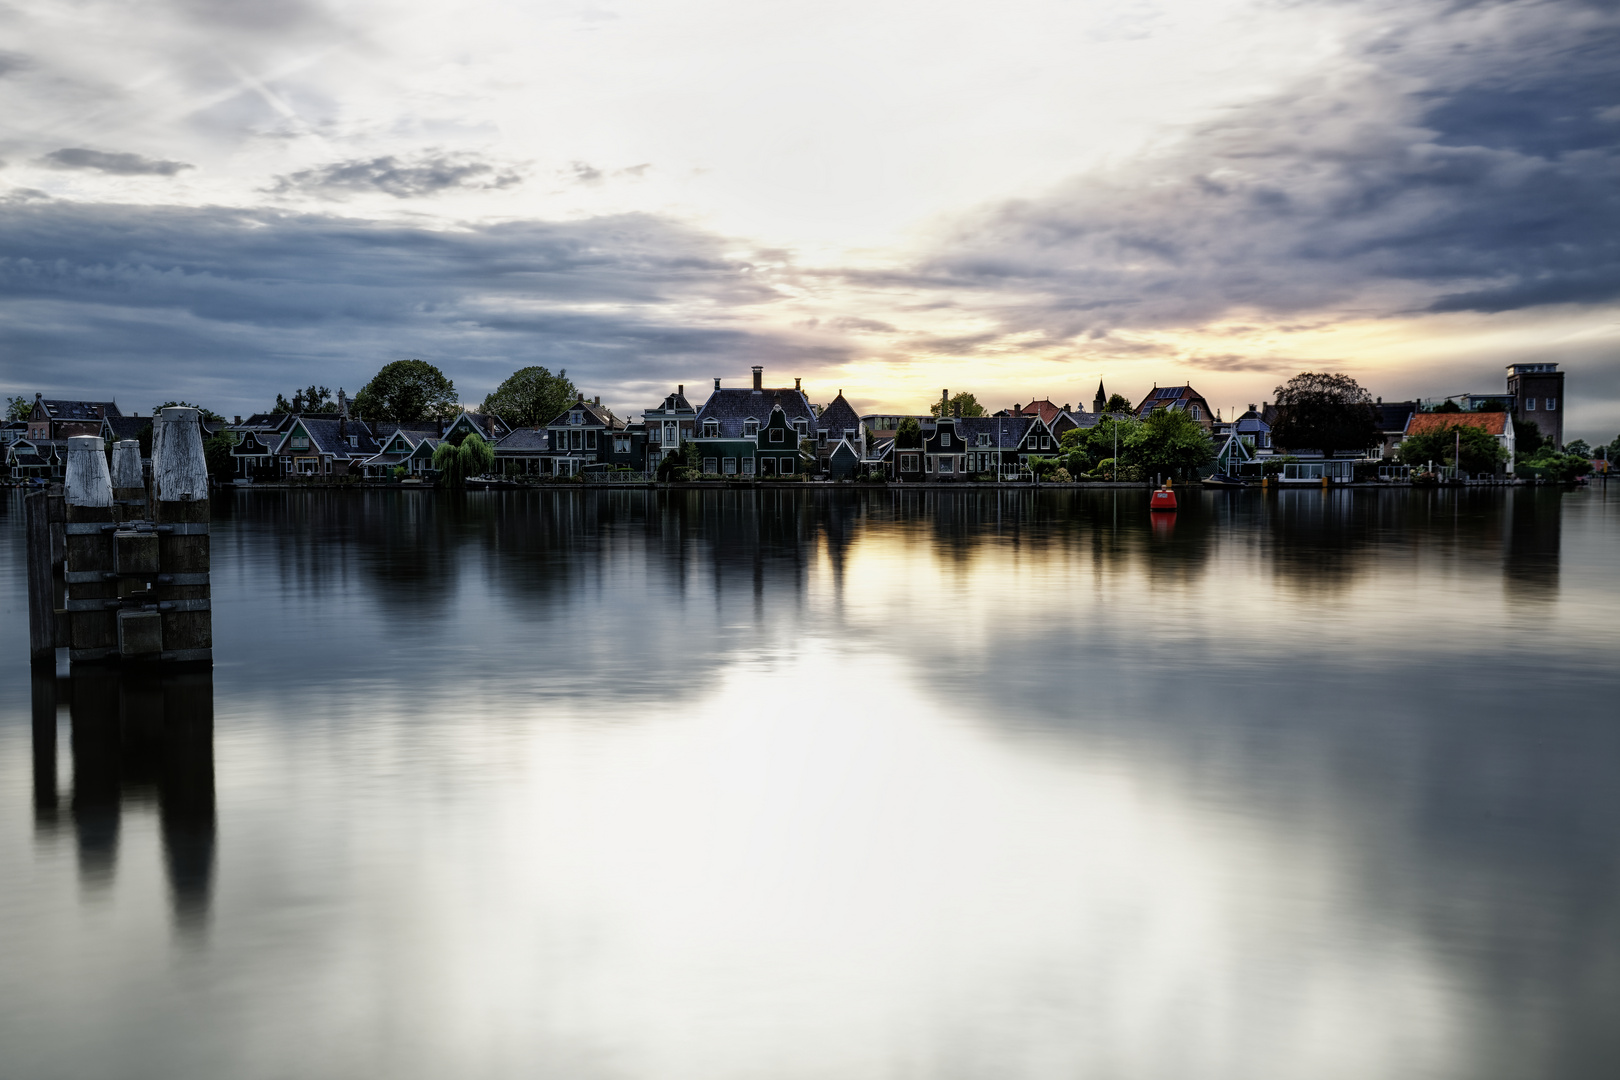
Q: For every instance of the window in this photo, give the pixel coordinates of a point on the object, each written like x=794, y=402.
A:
x=748, y=466
x=354, y=440
x=576, y=417
x=621, y=444
x=1529, y=404
x=799, y=426
x=590, y=440
x=708, y=464
x=1551, y=404
x=786, y=466
x=575, y=440
x=729, y=466
x=776, y=435
x=908, y=462
x=984, y=438
x=767, y=466
x=300, y=442
x=750, y=427
x=711, y=429
x=928, y=463
x=945, y=465
x=1195, y=412
x=944, y=438
x=821, y=436
x=655, y=435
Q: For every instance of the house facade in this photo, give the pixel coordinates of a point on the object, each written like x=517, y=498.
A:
x=60, y=420
x=323, y=445
x=753, y=432
x=1177, y=399
x=1497, y=424
x=1538, y=395
x=837, y=425
x=581, y=436
x=668, y=425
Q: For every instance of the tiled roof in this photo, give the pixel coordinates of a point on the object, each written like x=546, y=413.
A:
x=673, y=403
x=1005, y=432
x=1043, y=409
x=415, y=431
x=323, y=435
x=594, y=415
x=1392, y=415
x=1174, y=398
x=126, y=427
x=732, y=407
x=79, y=410
x=1494, y=423
x=838, y=418
x=524, y=439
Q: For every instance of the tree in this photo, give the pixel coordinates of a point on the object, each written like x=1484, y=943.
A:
x=1325, y=412
x=217, y=456
x=311, y=399
x=407, y=391
x=969, y=405
x=684, y=464
x=473, y=457
x=18, y=408
x=1171, y=442
x=1579, y=447
x=1447, y=407
x=909, y=435
x=1117, y=403
x=1527, y=438
x=1480, y=450
x=207, y=414
x=531, y=395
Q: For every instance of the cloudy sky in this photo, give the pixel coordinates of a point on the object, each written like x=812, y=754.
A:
x=219, y=201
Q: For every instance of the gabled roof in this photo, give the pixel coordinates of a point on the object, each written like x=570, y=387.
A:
x=595, y=416
x=1393, y=415
x=731, y=407
x=1251, y=423
x=1174, y=398
x=416, y=429
x=1494, y=423
x=323, y=437
x=838, y=417
x=1043, y=408
x=674, y=403
x=255, y=444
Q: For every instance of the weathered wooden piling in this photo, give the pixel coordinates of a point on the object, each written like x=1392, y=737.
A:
x=91, y=572
x=181, y=513
x=41, y=580
x=137, y=585
x=128, y=480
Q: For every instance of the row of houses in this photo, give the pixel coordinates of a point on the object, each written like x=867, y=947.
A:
x=753, y=431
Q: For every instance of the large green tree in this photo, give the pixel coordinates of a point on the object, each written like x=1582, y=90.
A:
x=1480, y=450
x=969, y=404
x=19, y=407
x=1326, y=412
x=908, y=436
x=207, y=414
x=407, y=391
x=1170, y=442
x=474, y=457
x=532, y=395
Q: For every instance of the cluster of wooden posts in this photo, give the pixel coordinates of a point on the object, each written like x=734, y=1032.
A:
x=126, y=556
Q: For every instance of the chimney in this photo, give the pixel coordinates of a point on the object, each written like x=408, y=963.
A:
x=598, y=399
x=343, y=403
x=956, y=409
x=944, y=403
x=1017, y=411
x=581, y=399
x=796, y=382
x=717, y=384
x=680, y=389
x=759, y=378
x=238, y=421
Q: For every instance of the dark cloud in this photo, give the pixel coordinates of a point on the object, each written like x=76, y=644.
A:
x=233, y=305
x=404, y=178
x=1460, y=158
x=116, y=163
x=10, y=62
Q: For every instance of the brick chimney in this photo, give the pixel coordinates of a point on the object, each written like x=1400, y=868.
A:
x=796, y=384
x=759, y=378
x=680, y=389
x=717, y=383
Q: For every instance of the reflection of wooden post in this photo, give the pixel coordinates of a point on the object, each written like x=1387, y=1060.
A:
x=41, y=582
x=180, y=509
x=129, y=486
x=186, y=791
x=44, y=702
x=89, y=556
x=97, y=773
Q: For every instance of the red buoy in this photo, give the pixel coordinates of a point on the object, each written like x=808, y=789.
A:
x=1163, y=499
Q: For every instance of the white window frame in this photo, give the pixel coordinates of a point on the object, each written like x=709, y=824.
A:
x=1529, y=404
x=708, y=465
x=711, y=429
x=747, y=466
x=944, y=438
x=1550, y=405
x=908, y=462
x=946, y=465
x=750, y=427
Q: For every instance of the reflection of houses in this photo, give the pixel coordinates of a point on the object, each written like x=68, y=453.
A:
x=1177, y=399
x=753, y=432
x=1497, y=424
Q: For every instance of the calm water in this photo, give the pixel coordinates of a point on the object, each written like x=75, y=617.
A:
x=787, y=785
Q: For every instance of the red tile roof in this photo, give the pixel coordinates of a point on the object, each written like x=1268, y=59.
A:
x=1494, y=423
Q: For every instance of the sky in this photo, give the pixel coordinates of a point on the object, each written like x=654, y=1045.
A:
x=217, y=201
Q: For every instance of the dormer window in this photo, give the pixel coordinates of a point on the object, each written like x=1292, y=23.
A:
x=821, y=436
x=984, y=438
x=576, y=418
x=799, y=426
x=711, y=429
x=750, y=427
x=354, y=440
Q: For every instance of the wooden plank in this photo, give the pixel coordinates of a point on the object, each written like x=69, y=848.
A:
x=41, y=586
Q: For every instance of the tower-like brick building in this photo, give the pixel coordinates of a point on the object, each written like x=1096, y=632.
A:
x=1538, y=396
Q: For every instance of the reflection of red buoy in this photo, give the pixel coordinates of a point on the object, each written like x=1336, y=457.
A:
x=1163, y=499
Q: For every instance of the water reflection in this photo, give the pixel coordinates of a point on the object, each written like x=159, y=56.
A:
x=141, y=740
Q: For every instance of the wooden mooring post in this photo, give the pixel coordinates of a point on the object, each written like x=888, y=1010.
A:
x=136, y=562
